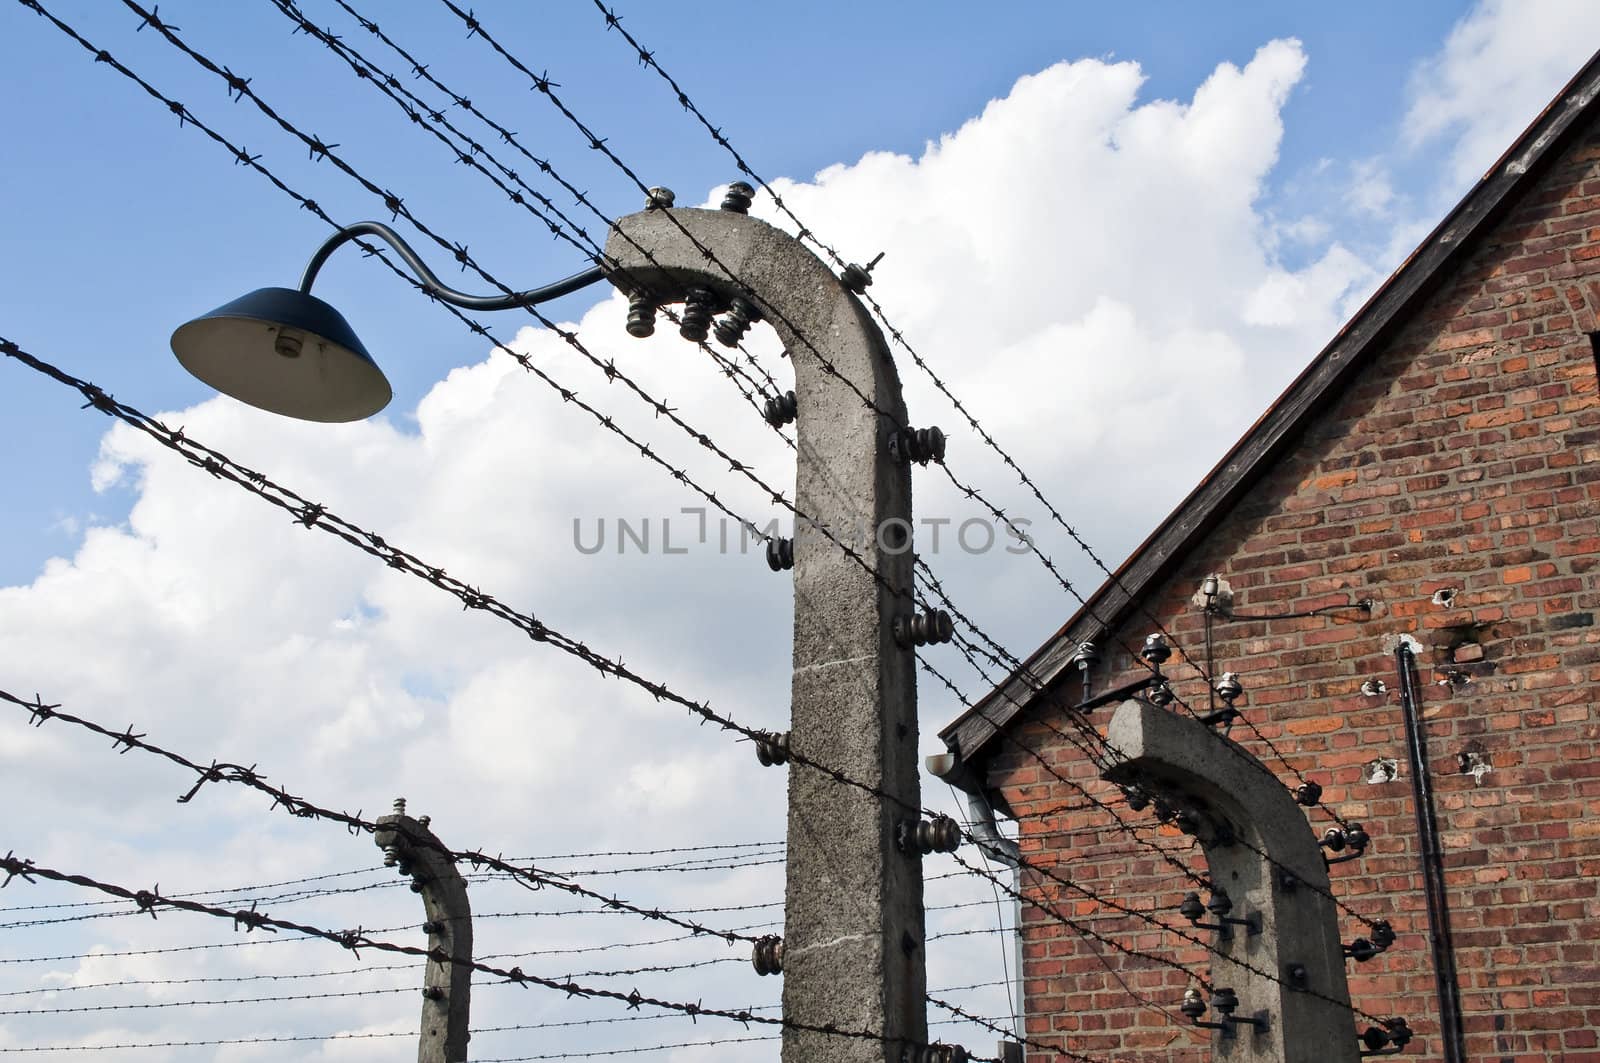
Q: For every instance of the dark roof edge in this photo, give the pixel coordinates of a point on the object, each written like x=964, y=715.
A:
x=1350, y=348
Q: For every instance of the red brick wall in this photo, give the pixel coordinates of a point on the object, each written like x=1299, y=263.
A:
x=1465, y=457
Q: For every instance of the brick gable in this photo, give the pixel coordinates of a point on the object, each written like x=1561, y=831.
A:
x=1455, y=482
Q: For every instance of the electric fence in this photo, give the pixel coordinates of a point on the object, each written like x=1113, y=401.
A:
x=647, y=58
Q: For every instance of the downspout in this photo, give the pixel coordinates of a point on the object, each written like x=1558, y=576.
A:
x=953, y=770
x=1444, y=957
x=987, y=834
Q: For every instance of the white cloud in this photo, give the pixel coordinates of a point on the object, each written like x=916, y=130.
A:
x=1500, y=65
x=1371, y=191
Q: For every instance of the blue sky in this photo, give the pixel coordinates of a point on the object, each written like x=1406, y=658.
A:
x=1117, y=231
x=124, y=225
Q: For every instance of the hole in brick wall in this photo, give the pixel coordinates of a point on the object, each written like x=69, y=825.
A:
x=1594, y=345
x=1383, y=769
x=1474, y=760
x=1444, y=596
x=1374, y=687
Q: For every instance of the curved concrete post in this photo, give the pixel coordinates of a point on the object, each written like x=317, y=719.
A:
x=446, y=984
x=853, y=929
x=1237, y=798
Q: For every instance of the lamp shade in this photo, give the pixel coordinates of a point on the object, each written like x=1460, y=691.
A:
x=286, y=352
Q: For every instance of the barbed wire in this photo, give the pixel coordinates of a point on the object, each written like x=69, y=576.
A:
x=214, y=1042
x=597, y=1053
x=252, y=889
x=314, y=515
x=152, y=901
x=319, y=150
x=41, y=713
x=286, y=898
x=311, y=514
x=422, y=71
x=150, y=1005
x=712, y=847
x=619, y=946
x=167, y=31
x=210, y=979
x=803, y=232
x=468, y=152
x=120, y=953
x=684, y=868
x=219, y=892
x=366, y=70
x=601, y=1021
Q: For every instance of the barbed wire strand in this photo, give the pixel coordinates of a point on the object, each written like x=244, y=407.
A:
x=312, y=514
x=468, y=152
x=315, y=146
x=125, y=741
x=152, y=901
x=805, y=233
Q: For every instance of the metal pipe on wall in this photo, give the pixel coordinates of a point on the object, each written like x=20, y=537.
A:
x=1444, y=958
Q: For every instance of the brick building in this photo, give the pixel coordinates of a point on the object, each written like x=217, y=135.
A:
x=1439, y=460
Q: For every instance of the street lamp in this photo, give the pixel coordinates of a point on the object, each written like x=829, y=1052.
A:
x=288, y=352
x=852, y=952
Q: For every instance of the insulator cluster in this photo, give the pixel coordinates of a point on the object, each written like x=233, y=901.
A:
x=767, y=955
x=738, y=197
x=1224, y=1002
x=733, y=325
x=1363, y=949
x=780, y=554
x=781, y=409
x=698, y=306
x=1219, y=906
x=920, y=629
x=772, y=748
x=1352, y=837
x=1308, y=793
x=1389, y=1039
x=941, y=834
x=920, y=445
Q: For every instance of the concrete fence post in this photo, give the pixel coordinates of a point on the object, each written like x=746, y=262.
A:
x=1282, y=920
x=410, y=846
x=852, y=953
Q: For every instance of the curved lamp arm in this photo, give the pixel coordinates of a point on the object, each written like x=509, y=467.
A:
x=432, y=284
